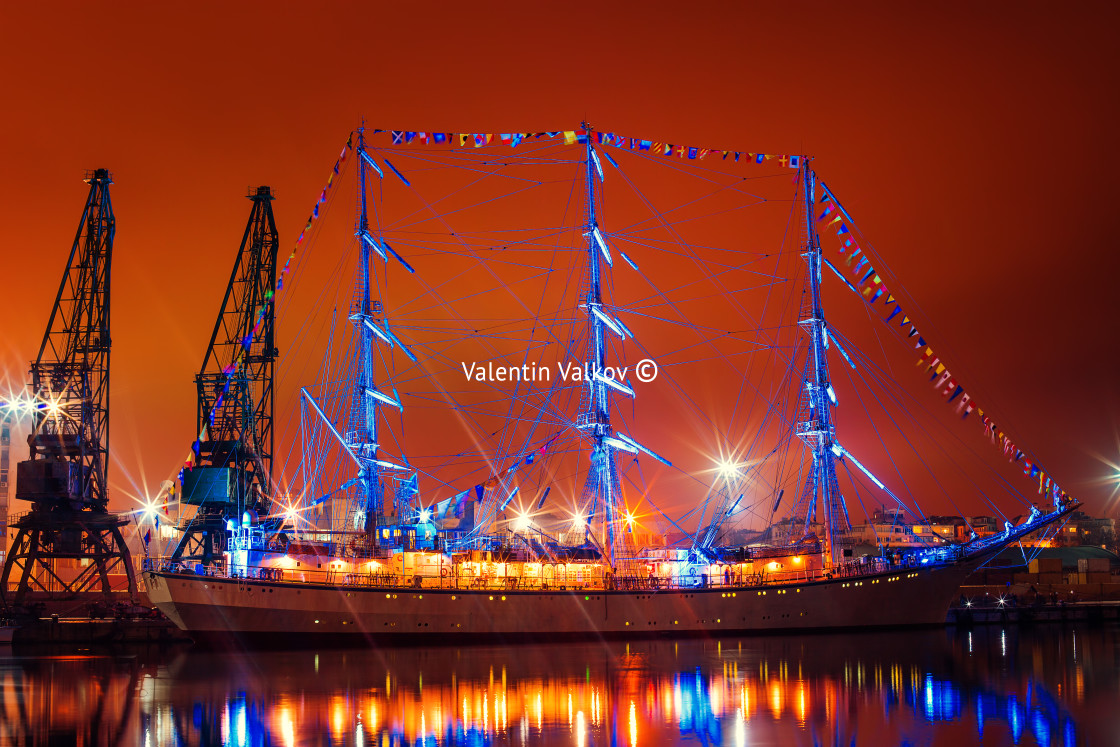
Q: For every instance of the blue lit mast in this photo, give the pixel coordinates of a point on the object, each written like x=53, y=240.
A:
x=363, y=403
x=814, y=424
x=603, y=488
x=360, y=440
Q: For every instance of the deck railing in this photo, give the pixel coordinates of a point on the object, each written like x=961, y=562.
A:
x=556, y=580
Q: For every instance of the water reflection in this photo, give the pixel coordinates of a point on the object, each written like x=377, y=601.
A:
x=1041, y=686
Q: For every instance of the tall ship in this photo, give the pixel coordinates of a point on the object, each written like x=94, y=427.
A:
x=524, y=491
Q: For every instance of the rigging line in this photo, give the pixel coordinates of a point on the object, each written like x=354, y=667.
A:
x=643, y=198
x=482, y=468
x=696, y=409
x=489, y=151
x=541, y=302
x=790, y=217
x=852, y=480
x=740, y=389
x=574, y=270
x=712, y=357
x=462, y=409
x=530, y=145
x=634, y=229
x=498, y=171
x=440, y=218
x=875, y=331
x=871, y=368
x=286, y=372
x=484, y=232
x=879, y=261
x=723, y=331
x=301, y=334
x=541, y=411
x=650, y=303
x=671, y=303
x=725, y=359
x=728, y=269
x=403, y=222
x=412, y=321
x=499, y=254
x=656, y=243
x=297, y=271
x=693, y=361
x=436, y=166
x=451, y=400
x=697, y=172
x=466, y=297
x=890, y=456
x=760, y=507
x=484, y=160
x=285, y=428
x=722, y=269
x=1000, y=479
x=498, y=260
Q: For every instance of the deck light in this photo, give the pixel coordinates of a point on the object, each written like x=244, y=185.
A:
x=151, y=510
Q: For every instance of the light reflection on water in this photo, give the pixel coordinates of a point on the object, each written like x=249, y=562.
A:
x=1047, y=685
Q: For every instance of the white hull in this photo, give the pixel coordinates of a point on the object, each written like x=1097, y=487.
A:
x=220, y=607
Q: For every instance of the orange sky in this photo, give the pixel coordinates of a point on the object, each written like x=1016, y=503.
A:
x=972, y=146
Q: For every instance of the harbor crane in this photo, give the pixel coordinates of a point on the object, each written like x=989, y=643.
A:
x=69, y=543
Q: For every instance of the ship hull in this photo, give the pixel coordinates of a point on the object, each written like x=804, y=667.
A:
x=258, y=611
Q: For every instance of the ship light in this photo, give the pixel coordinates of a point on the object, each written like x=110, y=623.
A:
x=150, y=510
x=521, y=523
x=728, y=469
x=425, y=515
x=797, y=559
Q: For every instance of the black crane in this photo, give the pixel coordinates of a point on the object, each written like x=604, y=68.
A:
x=69, y=543
x=232, y=466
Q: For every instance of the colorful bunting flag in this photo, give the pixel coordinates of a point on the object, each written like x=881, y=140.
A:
x=572, y=137
x=944, y=383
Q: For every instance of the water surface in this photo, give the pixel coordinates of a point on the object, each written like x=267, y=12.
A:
x=1042, y=685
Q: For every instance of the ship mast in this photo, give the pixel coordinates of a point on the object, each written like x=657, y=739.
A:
x=366, y=399
x=363, y=408
x=816, y=428
x=603, y=487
